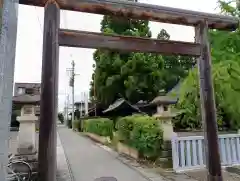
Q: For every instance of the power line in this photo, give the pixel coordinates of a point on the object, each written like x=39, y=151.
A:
x=41, y=29
x=65, y=18
x=72, y=70
x=66, y=25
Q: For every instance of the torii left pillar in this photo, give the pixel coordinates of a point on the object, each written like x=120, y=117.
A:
x=49, y=93
x=8, y=35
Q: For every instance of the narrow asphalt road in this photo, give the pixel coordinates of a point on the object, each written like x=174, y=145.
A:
x=88, y=161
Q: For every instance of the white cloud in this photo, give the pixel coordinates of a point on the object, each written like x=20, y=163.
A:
x=29, y=42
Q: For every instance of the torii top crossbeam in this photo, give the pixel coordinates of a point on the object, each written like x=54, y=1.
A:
x=143, y=11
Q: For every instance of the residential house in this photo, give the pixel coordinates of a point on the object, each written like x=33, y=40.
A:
x=80, y=106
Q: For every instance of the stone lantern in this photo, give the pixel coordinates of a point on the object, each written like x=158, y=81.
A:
x=27, y=131
x=165, y=115
x=26, y=142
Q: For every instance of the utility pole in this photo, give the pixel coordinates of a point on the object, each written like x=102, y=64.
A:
x=86, y=103
x=94, y=92
x=72, y=85
x=81, y=104
x=67, y=103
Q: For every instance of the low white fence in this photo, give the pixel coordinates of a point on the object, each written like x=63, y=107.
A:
x=188, y=152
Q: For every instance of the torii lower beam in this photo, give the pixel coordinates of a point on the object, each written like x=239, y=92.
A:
x=83, y=39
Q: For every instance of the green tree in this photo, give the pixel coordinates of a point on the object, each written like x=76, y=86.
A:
x=135, y=76
x=175, y=67
x=61, y=117
x=226, y=75
x=225, y=45
x=225, y=49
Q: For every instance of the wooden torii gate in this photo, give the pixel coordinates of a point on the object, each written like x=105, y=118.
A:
x=55, y=37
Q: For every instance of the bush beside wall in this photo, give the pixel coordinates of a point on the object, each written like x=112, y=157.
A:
x=69, y=123
x=99, y=126
x=141, y=132
x=76, y=125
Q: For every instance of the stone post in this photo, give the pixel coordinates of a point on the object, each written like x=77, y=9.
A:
x=27, y=132
x=166, y=124
x=8, y=34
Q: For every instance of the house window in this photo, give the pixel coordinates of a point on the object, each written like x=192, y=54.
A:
x=29, y=91
x=20, y=91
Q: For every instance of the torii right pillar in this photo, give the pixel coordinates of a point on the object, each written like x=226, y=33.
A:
x=208, y=106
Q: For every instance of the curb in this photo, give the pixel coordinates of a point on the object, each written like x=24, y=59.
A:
x=150, y=176
x=68, y=176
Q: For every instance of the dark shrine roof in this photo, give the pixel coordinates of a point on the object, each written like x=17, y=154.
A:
x=118, y=103
x=164, y=100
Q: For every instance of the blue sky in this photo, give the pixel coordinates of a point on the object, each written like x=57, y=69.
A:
x=29, y=42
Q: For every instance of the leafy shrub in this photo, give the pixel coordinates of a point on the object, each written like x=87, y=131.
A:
x=226, y=78
x=69, y=123
x=61, y=117
x=141, y=132
x=124, y=127
x=76, y=125
x=99, y=126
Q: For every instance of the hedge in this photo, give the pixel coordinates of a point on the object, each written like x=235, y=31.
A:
x=99, y=126
x=76, y=125
x=69, y=123
x=141, y=132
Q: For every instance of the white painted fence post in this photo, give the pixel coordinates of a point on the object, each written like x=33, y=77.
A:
x=188, y=152
x=175, y=157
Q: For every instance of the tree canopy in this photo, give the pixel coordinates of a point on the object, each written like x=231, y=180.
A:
x=61, y=117
x=134, y=76
x=225, y=48
x=226, y=77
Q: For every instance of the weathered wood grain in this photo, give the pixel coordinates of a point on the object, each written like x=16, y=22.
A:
x=143, y=11
x=72, y=38
x=49, y=94
x=208, y=106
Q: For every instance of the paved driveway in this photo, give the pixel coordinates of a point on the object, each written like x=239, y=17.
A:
x=88, y=161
